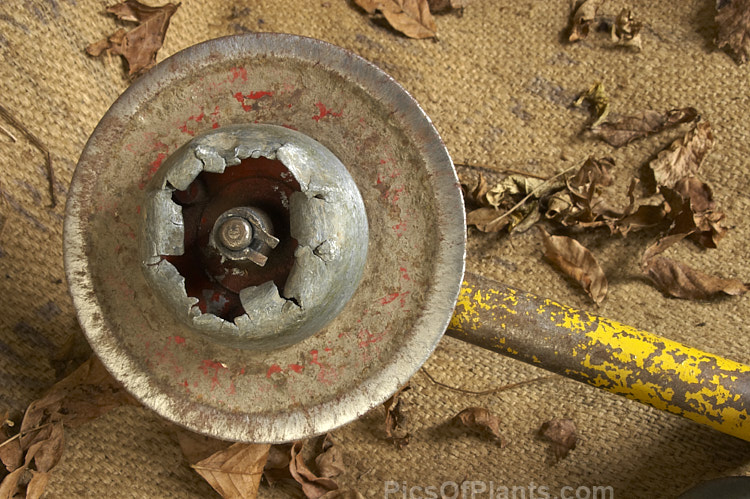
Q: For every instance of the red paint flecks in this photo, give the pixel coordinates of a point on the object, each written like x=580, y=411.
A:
x=252, y=96
x=275, y=368
x=232, y=389
x=238, y=73
x=367, y=338
x=404, y=274
x=155, y=164
x=290, y=127
x=207, y=366
x=179, y=340
x=325, y=112
x=242, y=371
x=327, y=349
x=400, y=228
x=314, y=360
x=388, y=299
x=296, y=368
x=197, y=119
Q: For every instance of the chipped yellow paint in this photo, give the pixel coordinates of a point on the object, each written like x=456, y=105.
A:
x=621, y=359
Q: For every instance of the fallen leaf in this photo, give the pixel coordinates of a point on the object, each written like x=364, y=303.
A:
x=394, y=419
x=197, y=447
x=576, y=261
x=562, y=434
x=680, y=281
x=625, y=130
x=139, y=45
x=312, y=486
x=330, y=462
x=694, y=211
x=659, y=247
x=503, y=193
x=84, y=395
x=481, y=420
x=626, y=31
x=683, y=157
x=487, y=219
x=277, y=465
x=733, y=18
x=597, y=96
x=410, y=17
x=638, y=217
x=581, y=19
x=235, y=472
x=37, y=484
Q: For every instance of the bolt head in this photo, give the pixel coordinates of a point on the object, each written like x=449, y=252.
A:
x=235, y=233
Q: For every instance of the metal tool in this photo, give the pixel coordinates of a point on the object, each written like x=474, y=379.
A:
x=265, y=238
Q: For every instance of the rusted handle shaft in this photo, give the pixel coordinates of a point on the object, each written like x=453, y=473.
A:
x=603, y=353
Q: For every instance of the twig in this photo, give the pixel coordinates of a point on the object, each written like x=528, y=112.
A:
x=24, y=433
x=489, y=391
x=533, y=191
x=39, y=145
x=504, y=170
x=7, y=132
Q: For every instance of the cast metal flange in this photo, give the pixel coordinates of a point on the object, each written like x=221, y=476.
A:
x=361, y=354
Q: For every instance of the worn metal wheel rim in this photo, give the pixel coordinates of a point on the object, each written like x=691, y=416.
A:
x=264, y=397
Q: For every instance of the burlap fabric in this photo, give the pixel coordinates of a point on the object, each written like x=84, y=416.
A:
x=498, y=85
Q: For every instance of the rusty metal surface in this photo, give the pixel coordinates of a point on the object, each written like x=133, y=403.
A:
x=415, y=255
x=605, y=354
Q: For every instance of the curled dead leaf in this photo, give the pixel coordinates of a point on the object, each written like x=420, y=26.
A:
x=562, y=434
x=626, y=30
x=140, y=45
x=581, y=19
x=680, y=281
x=235, y=472
x=395, y=418
x=277, y=464
x=597, y=97
x=480, y=420
x=733, y=18
x=626, y=129
x=693, y=211
x=312, y=486
x=330, y=462
x=574, y=260
x=684, y=156
x=410, y=17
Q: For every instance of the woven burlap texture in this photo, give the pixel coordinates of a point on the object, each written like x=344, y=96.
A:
x=498, y=85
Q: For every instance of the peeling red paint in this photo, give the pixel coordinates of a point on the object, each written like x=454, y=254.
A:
x=400, y=228
x=252, y=96
x=388, y=299
x=290, y=127
x=207, y=365
x=179, y=340
x=155, y=164
x=296, y=368
x=275, y=368
x=238, y=73
x=404, y=274
x=367, y=338
x=325, y=112
x=197, y=119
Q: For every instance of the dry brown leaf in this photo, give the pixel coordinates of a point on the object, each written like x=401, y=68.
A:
x=235, y=472
x=733, y=18
x=683, y=157
x=330, y=462
x=481, y=420
x=562, y=434
x=277, y=464
x=693, y=211
x=577, y=262
x=487, y=219
x=84, y=395
x=37, y=484
x=394, y=419
x=626, y=30
x=410, y=17
x=635, y=218
x=625, y=130
x=139, y=45
x=312, y=486
x=597, y=97
x=196, y=447
x=581, y=19
x=678, y=280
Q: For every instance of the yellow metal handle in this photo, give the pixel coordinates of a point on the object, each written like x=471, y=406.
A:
x=606, y=354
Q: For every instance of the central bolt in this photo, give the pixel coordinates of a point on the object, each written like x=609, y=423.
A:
x=236, y=233
x=244, y=233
